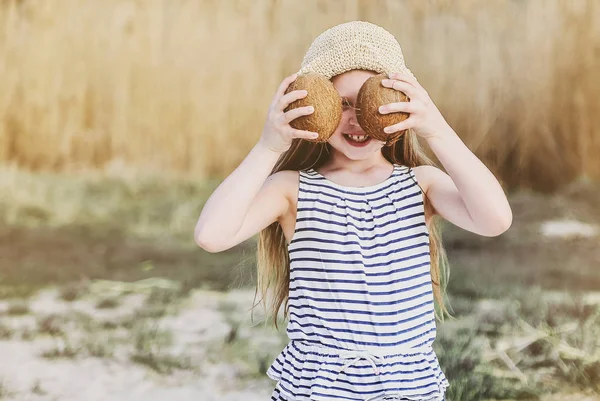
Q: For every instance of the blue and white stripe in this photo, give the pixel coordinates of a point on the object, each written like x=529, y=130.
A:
x=361, y=302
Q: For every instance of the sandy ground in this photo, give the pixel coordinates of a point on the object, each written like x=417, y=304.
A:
x=28, y=376
x=202, y=322
x=199, y=325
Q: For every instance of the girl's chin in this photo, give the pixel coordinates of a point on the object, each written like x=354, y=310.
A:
x=345, y=146
x=354, y=153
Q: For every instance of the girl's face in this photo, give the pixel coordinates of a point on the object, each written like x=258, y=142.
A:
x=349, y=138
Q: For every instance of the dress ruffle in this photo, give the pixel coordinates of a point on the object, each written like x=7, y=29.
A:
x=304, y=371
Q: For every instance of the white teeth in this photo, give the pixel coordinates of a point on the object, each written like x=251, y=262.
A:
x=358, y=138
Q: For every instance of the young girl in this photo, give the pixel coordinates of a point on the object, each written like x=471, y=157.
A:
x=346, y=239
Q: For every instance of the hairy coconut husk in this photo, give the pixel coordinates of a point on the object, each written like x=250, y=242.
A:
x=370, y=97
x=326, y=101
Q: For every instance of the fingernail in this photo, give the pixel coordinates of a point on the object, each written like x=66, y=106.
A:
x=387, y=130
x=311, y=109
x=385, y=81
x=381, y=109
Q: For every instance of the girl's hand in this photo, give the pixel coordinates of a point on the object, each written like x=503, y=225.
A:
x=425, y=119
x=277, y=134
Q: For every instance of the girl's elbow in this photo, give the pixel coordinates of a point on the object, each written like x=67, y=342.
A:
x=207, y=246
x=506, y=222
x=501, y=227
x=206, y=241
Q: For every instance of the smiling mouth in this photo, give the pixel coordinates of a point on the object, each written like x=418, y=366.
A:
x=357, y=138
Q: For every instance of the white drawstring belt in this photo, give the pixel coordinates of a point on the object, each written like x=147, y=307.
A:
x=357, y=356
x=374, y=356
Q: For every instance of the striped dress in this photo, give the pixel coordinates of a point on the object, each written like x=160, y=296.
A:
x=361, y=321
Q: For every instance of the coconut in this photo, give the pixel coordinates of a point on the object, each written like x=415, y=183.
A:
x=327, y=103
x=371, y=96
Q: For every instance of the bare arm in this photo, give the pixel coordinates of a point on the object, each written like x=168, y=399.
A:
x=469, y=195
x=225, y=211
x=447, y=202
x=249, y=199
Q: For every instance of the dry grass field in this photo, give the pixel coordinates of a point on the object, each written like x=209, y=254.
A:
x=185, y=85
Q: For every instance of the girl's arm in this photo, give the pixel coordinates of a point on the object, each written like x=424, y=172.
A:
x=247, y=191
x=470, y=196
x=248, y=200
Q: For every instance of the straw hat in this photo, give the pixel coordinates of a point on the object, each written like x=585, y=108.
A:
x=354, y=45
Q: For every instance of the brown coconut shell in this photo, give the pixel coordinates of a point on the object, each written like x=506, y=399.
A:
x=327, y=103
x=370, y=97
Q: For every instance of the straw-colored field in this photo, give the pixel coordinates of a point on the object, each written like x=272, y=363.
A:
x=185, y=85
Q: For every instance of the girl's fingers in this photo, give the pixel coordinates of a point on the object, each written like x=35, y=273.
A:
x=401, y=86
x=284, y=85
x=401, y=126
x=405, y=107
x=411, y=80
x=297, y=133
x=405, y=77
x=288, y=98
x=295, y=113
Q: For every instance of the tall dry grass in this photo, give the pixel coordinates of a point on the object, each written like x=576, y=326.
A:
x=185, y=86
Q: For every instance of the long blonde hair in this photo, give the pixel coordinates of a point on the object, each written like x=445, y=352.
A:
x=273, y=263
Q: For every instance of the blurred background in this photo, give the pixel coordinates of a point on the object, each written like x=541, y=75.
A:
x=118, y=118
